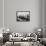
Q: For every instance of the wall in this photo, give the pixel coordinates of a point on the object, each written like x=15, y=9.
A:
x=44, y=18
x=11, y=6
x=1, y=15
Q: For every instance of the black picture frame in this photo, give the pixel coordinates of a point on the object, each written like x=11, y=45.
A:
x=22, y=16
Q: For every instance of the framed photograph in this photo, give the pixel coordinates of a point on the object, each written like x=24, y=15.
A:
x=23, y=16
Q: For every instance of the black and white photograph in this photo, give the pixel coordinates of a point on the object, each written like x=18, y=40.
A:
x=22, y=22
x=23, y=16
